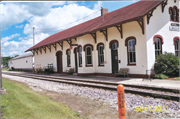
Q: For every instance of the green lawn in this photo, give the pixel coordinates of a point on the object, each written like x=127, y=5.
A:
x=177, y=79
x=22, y=102
x=5, y=69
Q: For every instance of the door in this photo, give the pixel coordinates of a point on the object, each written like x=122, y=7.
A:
x=59, y=61
x=75, y=54
x=114, y=57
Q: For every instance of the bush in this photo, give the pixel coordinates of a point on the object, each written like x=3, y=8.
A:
x=159, y=76
x=167, y=64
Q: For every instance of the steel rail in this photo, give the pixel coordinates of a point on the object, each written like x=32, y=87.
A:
x=81, y=82
x=104, y=82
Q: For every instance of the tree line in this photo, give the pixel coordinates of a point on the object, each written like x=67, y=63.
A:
x=5, y=60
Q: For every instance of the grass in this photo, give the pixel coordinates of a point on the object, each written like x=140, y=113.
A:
x=22, y=102
x=176, y=78
x=5, y=69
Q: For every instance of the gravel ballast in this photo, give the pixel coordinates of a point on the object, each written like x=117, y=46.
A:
x=132, y=101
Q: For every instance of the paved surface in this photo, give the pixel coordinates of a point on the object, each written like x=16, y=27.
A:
x=134, y=81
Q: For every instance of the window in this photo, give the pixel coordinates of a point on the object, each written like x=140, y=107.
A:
x=158, y=46
x=88, y=55
x=176, y=44
x=80, y=55
x=175, y=13
x=171, y=14
x=101, y=54
x=26, y=61
x=114, y=46
x=68, y=53
x=131, y=52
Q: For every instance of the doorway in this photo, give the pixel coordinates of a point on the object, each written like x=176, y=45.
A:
x=59, y=61
x=75, y=54
x=114, y=57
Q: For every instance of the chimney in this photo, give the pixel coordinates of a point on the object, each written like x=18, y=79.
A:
x=103, y=11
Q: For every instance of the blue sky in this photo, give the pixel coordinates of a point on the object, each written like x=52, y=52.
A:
x=19, y=18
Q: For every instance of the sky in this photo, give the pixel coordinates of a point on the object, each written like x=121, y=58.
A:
x=19, y=18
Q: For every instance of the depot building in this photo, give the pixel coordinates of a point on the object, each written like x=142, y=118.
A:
x=130, y=37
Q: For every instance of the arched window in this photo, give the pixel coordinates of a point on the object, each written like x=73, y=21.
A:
x=100, y=48
x=158, y=46
x=175, y=14
x=88, y=51
x=88, y=48
x=80, y=55
x=101, y=54
x=130, y=42
x=171, y=14
x=131, y=51
x=68, y=53
x=176, y=45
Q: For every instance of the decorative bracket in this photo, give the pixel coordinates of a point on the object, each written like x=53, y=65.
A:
x=141, y=23
x=54, y=45
x=32, y=52
x=40, y=49
x=120, y=30
x=49, y=47
x=61, y=44
x=75, y=39
x=164, y=3
x=44, y=48
x=149, y=15
x=70, y=43
x=36, y=51
x=94, y=36
x=105, y=33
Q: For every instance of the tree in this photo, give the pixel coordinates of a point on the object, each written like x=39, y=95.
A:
x=167, y=64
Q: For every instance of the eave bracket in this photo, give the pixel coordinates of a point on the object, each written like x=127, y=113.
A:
x=61, y=44
x=120, y=30
x=36, y=51
x=105, y=33
x=44, y=48
x=49, y=47
x=164, y=3
x=141, y=23
x=70, y=43
x=149, y=15
x=94, y=36
x=40, y=50
x=54, y=45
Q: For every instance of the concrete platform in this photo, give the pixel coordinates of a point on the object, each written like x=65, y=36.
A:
x=172, y=84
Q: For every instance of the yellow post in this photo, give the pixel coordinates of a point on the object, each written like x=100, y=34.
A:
x=121, y=102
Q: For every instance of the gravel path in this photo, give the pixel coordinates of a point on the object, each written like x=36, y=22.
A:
x=132, y=101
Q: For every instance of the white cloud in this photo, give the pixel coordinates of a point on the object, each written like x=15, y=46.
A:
x=61, y=17
x=18, y=47
x=98, y=5
x=5, y=39
x=12, y=14
x=16, y=12
x=19, y=26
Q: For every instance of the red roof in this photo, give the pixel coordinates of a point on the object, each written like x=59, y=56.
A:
x=122, y=15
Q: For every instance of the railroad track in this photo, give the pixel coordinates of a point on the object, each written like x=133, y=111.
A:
x=157, y=92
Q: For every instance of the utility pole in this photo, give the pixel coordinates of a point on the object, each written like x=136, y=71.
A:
x=33, y=45
x=2, y=90
x=33, y=36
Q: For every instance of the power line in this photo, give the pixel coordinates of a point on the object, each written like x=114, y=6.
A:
x=68, y=23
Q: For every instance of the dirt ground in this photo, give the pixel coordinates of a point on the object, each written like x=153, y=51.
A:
x=86, y=107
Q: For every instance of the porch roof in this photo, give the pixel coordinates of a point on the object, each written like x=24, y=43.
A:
x=114, y=18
